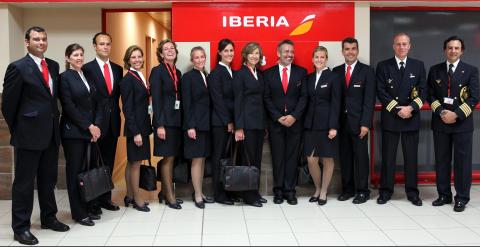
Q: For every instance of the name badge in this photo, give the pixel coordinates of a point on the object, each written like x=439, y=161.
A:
x=448, y=100
x=323, y=86
x=150, y=109
x=357, y=85
x=177, y=105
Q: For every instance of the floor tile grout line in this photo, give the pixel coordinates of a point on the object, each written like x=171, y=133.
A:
x=462, y=224
x=159, y=223
x=203, y=224
x=116, y=225
x=289, y=225
x=246, y=226
x=388, y=237
x=421, y=226
x=334, y=227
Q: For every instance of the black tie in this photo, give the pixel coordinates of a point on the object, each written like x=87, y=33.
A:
x=450, y=70
x=402, y=69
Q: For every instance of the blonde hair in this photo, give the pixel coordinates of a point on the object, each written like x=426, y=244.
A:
x=248, y=49
x=128, y=53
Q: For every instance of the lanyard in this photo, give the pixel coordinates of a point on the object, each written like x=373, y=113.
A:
x=138, y=78
x=173, y=75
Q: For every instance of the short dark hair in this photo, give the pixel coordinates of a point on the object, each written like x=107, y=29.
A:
x=221, y=46
x=284, y=42
x=70, y=49
x=34, y=28
x=349, y=40
x=128, y=53
x=98, y=34
x=452, y=38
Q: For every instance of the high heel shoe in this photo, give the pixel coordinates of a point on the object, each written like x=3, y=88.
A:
x=207, y=199
x=143, y=208
x=173, y=205
x=161, y=197
x=200, y=205
x=127, y=200
x=314, y=199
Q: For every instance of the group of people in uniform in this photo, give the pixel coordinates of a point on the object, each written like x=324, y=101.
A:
x=324, y=115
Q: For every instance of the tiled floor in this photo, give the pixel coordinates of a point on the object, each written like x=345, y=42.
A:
x=337, y=223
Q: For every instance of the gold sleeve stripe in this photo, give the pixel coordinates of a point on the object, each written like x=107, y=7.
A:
x=390, y=105
x=466, y=109
x=435, y=105
x=419, y=102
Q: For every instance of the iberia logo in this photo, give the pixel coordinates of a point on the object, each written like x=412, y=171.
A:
x=304, y=26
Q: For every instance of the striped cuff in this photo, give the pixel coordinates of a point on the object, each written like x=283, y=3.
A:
x=466, y=109
x=419, y=102
x=435, y=104
x=391, y=105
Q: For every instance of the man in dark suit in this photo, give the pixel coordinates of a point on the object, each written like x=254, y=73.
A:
x=358, y=102
x=402, y=89
x=30, y=110
x=285, y=100
x=453, y=94
x=106, y=76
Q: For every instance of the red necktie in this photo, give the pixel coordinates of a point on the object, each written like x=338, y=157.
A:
x=46, y=77
x=285, y=79
x=347, y=76
x=108, y=78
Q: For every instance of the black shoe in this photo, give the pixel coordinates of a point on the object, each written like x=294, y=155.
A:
x=234, y=199
x=459, y=206
x=314, y=199
x=292, y=200
x=278, y=199
x=225, y=202
x=345, y=196
x=86, y=222
x=360, y=198
x=127, y=200
x=442, y=200
x=322, y=202
x=257, y=204
x=55, y=225
x=262, y=200
x=382, y=199
x=207, y=199
x=26, y=238
x=175, y=205
x=416, y=201
x=200, y=205
x=94, y=217
x=96, y=210
x=110, y=206
x=142, y=208
x=161, y=197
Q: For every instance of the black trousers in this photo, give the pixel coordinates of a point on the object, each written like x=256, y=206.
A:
x=253, y=145
x=410, y=159
x=75, y=156
x=43, y=165
x=285, y=145
x=108, y=148
x=461, y=143
x=354, y=163
x=220, y=137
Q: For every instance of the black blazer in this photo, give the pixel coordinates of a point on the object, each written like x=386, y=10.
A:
x=324, y=101
x=220, y=85
x=30, y=110
x=196, y=101
x=80, y=107
x=465, y=77
x=135, y=101
x=278, y=103
x=358, y=100
x=93, y=73
x=392, y=91
x=163, y=98
x=248, y=100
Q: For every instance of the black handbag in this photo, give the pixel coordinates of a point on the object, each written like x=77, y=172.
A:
x=303, y=174
x=207, y=171
x=239, y=177
x=148, y=176
x=96, y=181
x=181, y=170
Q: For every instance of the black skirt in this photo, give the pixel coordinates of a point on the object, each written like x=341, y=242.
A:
x=171, y=145
x=318, y=143
x=197, y=148
x=136, y=153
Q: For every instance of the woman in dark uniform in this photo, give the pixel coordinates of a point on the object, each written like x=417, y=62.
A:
x=220, y=83
x=167, y=118
x=81, y=116
x=196, y=124
x=321, y=123
x=135, y=95
x=250, y=118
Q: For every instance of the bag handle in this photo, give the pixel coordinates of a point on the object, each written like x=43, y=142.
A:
x=99, y=155
x=244, y=152
x=149, y=162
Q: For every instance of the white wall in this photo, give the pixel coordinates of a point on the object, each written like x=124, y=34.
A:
x=5, y=51
x=65, y=26
x=362, y=30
